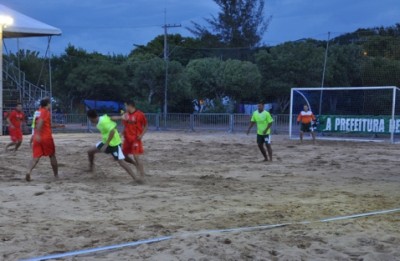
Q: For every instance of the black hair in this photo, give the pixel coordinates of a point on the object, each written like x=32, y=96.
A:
x=44, y=102
x=92, y=114
x=131, y=103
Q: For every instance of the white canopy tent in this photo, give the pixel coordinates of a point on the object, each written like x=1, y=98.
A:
x=21, y=26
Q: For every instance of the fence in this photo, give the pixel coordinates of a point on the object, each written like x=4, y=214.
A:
x=177, y=121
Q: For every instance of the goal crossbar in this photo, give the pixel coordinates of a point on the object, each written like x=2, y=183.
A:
x=390, y=116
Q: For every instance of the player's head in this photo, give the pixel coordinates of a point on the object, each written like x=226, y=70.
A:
x=130, y=106
x=93, y=116
x=19, y=106
x=45, y=103
x=305, y=107
x=260, y=106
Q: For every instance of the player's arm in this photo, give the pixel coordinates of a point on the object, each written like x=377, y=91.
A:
x=145, y=127
x=38, y=128
x=299, y=118
x=251, y=126
x=268, y=127
x=9, y=122
x=117, y=118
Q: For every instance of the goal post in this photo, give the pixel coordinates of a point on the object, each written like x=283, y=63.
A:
x=349, y=113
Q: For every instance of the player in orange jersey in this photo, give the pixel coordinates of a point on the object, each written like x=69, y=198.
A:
x=15, y=119
x=135, y=127
x=305, y=118
x=43, y=143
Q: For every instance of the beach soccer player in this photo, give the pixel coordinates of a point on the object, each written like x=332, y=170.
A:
x=135, y=127
x=15, y=120
x=263, y=120
x=110, y=143
x=43, y=142
x=305, y=118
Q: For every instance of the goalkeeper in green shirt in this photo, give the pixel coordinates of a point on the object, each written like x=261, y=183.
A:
x=264, y=121
x=110, y=142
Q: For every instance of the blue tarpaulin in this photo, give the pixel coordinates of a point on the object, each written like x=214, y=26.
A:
x=104, y=106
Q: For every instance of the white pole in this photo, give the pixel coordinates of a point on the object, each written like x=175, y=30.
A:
x=1, y=79
x=393, y=114
x=291, y=114
x=323, y=74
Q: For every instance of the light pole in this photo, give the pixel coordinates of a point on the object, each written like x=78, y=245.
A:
x=4, y=22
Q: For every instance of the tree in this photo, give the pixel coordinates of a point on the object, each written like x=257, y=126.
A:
x=240, y=23
x=147, y=76
x=212, y=78
x=292, y=64
x=241, y=80
x=205, y=78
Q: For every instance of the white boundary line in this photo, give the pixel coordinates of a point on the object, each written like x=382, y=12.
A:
x=229, y=230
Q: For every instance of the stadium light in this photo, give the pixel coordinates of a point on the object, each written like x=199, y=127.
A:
x=5, y=21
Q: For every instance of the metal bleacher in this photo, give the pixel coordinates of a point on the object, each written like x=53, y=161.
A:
x=17, y=89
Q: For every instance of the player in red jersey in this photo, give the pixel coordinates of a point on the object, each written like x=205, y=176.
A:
x=15, y=119
x=43, y=143
x=135, y=127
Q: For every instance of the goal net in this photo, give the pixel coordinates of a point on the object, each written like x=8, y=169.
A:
x=349, y=113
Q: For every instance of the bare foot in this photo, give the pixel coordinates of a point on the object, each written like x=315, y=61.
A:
x=140, y=181
x=28, y=177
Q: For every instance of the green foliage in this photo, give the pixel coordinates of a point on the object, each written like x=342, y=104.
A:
x=240, y=23
x=289, y=65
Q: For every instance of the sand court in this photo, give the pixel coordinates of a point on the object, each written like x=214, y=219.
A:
x=201, y=181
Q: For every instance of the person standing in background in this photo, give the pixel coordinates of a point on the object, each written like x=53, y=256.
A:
x=15, y=120
x=305, y=118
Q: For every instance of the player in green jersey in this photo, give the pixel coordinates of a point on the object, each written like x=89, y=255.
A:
x=264, y=121
x=110, y=142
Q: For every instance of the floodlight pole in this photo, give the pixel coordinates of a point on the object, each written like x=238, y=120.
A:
x=1, y=79
x=323, y=73
x=4, y=21
x=166, y=26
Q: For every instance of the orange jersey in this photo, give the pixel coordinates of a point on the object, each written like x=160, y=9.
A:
x=134, y=124
x=45, y=116
x=305, y=117
x=16, y=117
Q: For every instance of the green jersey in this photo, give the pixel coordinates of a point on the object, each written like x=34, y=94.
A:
x=35, y=115
x=105, y=126
x=262, y=120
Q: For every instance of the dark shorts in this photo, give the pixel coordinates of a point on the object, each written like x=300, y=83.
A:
x=261, y=139
x=305, y=127
x=115, y=151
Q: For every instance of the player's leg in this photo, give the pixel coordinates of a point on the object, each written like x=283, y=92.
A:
x=130, y=160
x=127, y=149
x=19, y=138
x=9, y=145
x=91, y=152
x=34, y=161
x=126, y=167
x=260, y=142
x=139, y=165
x=11, y=131
x=301, y=135
x=137, y=152
x=313, y=136
x=268, y=145
x=54, y=165
x=37, y=153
